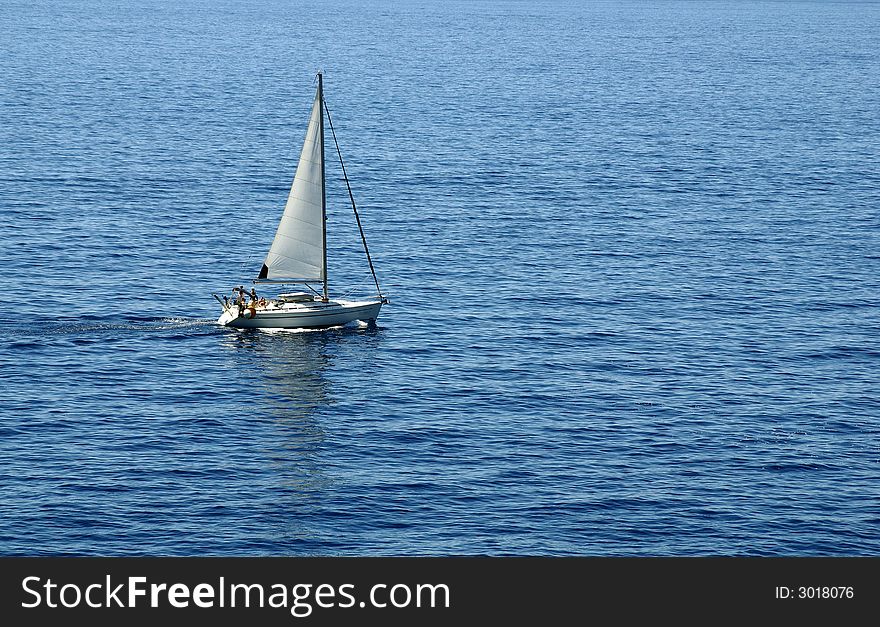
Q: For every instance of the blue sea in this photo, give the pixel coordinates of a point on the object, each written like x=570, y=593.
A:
x=632, y=252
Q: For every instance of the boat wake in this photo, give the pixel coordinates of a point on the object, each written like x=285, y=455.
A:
x=88, y=325
x=91, y=329
x=179, y=322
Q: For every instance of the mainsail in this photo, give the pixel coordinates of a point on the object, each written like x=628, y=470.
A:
x=297, y=252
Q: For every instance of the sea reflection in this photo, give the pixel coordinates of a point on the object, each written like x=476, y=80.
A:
x=287, y=370
x=290, y=367
x=289, y=376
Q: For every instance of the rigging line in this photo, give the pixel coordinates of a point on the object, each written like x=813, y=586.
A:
x=351, y=197
x=353, y=290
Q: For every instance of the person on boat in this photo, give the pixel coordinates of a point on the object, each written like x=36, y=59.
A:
x=254, y=299
x=239, y=299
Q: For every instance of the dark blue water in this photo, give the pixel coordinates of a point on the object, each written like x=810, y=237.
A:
x=631, y=250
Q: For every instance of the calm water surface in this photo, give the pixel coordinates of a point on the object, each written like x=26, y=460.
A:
x=631, y=250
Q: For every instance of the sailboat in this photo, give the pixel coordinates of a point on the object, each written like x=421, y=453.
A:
x=298, y=253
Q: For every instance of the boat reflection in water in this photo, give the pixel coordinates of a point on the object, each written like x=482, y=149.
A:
x=285, y=435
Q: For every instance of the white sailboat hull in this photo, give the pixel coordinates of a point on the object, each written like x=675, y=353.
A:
x=312, y=315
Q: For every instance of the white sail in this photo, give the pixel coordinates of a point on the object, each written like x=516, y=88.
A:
x=297, y=252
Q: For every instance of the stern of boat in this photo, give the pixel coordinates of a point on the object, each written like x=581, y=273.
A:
x=227, y=317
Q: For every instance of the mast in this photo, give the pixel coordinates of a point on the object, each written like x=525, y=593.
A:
x=326, y=296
